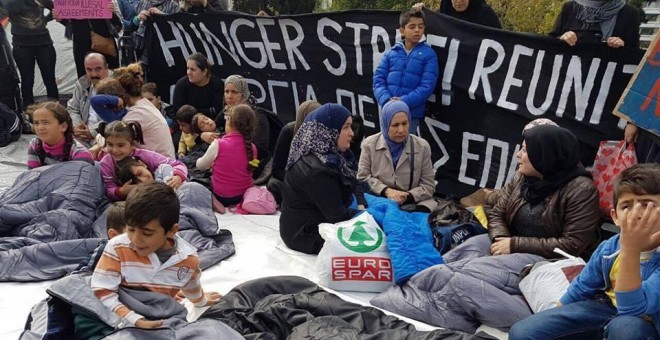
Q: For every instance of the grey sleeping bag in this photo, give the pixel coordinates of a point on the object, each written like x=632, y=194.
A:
x=46, y=221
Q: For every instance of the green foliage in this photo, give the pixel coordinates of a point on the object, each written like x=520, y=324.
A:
x=397, y=5
x=275, y=7
x=535, y=16
x=253, y=6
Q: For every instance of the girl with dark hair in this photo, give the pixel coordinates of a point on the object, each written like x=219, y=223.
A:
x=121, y=140
x=54, y=142
x=199, y=88
x=233, y=157
x=157, y=135
x=320, y=178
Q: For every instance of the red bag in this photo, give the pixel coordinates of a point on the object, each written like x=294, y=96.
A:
x=613, y=157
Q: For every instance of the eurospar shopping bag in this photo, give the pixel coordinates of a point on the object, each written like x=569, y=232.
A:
x=612, y=158
x=354, y=256
x=548, y=281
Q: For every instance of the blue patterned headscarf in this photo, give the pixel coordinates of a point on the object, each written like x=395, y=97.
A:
x=389, y=110
x=318, y=136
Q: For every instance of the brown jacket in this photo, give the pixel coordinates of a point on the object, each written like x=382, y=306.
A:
x=376, y=169
x=571, y=213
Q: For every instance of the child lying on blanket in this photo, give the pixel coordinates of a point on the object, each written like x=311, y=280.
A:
x=150, y=255
x=133, y=171
x=121, y=139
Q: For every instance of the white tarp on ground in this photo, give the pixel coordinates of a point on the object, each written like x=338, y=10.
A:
x=65, y=67
x=260, y=252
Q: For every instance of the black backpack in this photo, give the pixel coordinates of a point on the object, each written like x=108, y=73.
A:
x=10, y=125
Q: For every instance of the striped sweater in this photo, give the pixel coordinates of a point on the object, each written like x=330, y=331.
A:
x=121, y=265
x=55, y=153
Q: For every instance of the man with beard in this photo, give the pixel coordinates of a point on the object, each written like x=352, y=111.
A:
x=83, y=115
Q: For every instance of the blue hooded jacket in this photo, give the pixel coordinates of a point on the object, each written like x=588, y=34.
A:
x=411, y=77
x=595, y=277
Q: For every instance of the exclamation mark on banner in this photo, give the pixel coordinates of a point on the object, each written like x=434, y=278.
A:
x=448, y=72
x=450, y=64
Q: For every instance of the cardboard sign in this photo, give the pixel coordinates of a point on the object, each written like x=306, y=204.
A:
x=83, y=9
x=640, y=102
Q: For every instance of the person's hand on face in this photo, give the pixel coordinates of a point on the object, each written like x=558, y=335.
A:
x=640, y=228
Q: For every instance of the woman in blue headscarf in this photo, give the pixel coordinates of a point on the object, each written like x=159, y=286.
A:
x=320, y=178
x=396, y=164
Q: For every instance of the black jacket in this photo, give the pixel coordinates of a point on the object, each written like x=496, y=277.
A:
x=627, y=26
x=313, y=193
x=478, y=12
x=282, y=148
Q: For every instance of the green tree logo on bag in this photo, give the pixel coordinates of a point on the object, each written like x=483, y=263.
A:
x=360, y=239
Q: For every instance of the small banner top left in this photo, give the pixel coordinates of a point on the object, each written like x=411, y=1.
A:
x=83, y=9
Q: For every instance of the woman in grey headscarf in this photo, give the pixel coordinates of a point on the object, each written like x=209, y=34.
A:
x=610, y=21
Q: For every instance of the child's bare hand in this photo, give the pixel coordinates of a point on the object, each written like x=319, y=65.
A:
x=640, y=229
x=143, y=323
x=212, y=298
x=179, y=296
x=175, y=182
x=127, y=188
x=209, y=137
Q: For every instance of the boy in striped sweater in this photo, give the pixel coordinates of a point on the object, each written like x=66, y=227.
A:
x=149, y=255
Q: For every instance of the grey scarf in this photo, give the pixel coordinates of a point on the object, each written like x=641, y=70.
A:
x=602, y=12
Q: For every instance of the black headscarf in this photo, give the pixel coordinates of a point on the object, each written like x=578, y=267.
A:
x=472, y=13
x=555, y=153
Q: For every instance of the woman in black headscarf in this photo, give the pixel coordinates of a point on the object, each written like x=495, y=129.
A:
x=319, y=179
x=611, y=21
x=551, y=203
x=474, y=11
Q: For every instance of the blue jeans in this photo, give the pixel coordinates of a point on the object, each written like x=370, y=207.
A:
x=414, y=124
x=588, y=319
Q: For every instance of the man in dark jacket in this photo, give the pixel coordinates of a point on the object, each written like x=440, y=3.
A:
x=474, y=11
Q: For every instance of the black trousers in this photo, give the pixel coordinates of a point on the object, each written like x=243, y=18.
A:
x=45, y=58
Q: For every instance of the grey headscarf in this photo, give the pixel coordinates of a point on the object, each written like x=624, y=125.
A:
x=241, y=85
x=601, y=12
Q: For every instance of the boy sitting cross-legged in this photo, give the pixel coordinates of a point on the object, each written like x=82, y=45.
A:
x=617, y=295
x=149, y=255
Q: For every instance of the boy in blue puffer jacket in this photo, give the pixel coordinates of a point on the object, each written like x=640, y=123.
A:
x=409, y=71
x=617, y=294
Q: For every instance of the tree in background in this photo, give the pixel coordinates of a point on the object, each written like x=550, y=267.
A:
x=534, y=16
x=397, y=5
x=253, y=6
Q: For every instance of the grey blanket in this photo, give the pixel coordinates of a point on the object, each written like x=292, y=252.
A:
x=75, y=290
x=465, y=293
x=46, y=221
